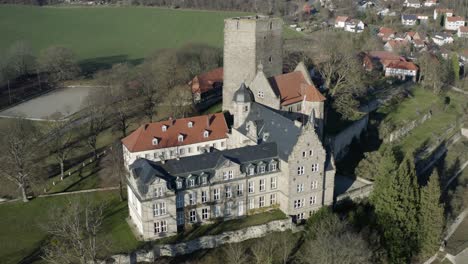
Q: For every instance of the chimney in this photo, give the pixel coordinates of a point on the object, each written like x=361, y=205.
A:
x=211, y=119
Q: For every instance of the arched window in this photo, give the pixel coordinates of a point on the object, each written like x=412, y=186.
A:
x=155, y=141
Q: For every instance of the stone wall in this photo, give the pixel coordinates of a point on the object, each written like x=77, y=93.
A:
x=205, y=242
x=397, y=134
x=340, y=143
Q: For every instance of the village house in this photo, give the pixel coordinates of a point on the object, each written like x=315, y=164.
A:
x=462, y=32
x=402, y=70
x=340, y=21
x=454, y=22
x=176, y=138
x=409, y=20
x=422, y=18
x=207, y=87
x=412, y=3
x=378, y=60
x=396, y=45
x=386, y=33
x=273, y=156
x=442, y=38
x=442, y=12
x=354, y=25
x=429, y=3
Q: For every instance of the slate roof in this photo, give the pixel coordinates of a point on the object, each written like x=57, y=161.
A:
x=146, y=171
x=273, y=127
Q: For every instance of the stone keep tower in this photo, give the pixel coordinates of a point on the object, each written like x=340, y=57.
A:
x=249, y=42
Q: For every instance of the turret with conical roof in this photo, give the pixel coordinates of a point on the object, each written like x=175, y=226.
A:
x=242, y=101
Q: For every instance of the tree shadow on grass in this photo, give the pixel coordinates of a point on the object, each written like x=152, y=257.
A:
x=90, y=66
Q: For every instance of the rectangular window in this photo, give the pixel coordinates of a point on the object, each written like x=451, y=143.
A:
x=261, y=169
x=261, y=201
x=228, y=191
x=159, y=209
x=314, y=185
x=252, y=203
x=155, y=155
x=231, y=174
x=181, y=151
x=191, y=182
x=180, y=200
x=222, y=144
x=315, y=167
x=240, y=208
x=160, y=227
x=273, y=167
x=204, y=213
x=217, y=210
x=304, y=154
x=300, y=170
x=193, y=216
x=262, y=185
x=189, y=150
x=192, y=198
x=311, y=153
x=203, y=197
x=180, y=218
x=146, y=156
x=251, y=187
x=204, y=180
x=313, y=200
x=273, y=199
x=300, y=187
x=300, y=216
x=299, y=203
x=273, y=183
x=240, y=189
x=216, y=194
x=228, y=208
x=158, y=191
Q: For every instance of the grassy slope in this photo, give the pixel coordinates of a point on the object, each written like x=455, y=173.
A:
x=22, y=234
x=459, y=240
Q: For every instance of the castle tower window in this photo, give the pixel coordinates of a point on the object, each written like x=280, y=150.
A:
x=190, y=124
x=164, y=128
x=271, y=25
x=270, y=59
x=261, y=94
x=155, y=141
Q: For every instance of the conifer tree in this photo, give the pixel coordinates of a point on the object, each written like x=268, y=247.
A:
x=396, y=199
x=431, y=217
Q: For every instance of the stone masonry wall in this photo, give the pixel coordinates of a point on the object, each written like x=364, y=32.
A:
x=205, y=242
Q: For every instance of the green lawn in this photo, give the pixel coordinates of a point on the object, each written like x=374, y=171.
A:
x=107, y=35
x=22, y=235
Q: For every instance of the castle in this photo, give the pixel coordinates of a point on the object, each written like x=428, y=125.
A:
x=198, y=169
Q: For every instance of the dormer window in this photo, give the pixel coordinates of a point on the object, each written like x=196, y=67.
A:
x=273, y=166
x=206, y=133
x=191, y=181
x=190, y=124
x=179, y=184
x=155, y=141
x=164, y=128
x=180, y=138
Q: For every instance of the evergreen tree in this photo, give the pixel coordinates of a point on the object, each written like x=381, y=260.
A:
x=431, y=217
x=396, y=199
x=455, y=68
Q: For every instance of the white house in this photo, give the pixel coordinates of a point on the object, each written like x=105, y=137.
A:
x=462, y=32
x=409, y=20
x=441, y=39
x=429, y=3
x=176, y=138
x=442, y=11
x=340, y=21
x=354, y=25
x=454, y=22
x=412, y=3
x=401, y=69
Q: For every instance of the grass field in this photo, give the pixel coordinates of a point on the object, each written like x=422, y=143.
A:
x=22, y=234
x=106, y=35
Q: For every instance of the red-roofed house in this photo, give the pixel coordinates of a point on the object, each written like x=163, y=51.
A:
x=176, y=138
x=386, y=33
x=429, y=3
x=207, y=86
x=340, y=21
x=402, y=70
x=454, y=22
x=442, y=12
x=396, y=45
x=378, y=60
x=462, y=32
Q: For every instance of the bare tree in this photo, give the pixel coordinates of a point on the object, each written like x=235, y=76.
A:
x=59, y=62
x=285, y=245
x=235, y=253
x=20, y=58
x=263, y=251
x=180, y=101
x=60, y=142
x=18, y=159
x=74, y=233
x=117, y=166
x=95, y=124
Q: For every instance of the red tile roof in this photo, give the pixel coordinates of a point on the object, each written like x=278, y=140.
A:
x=404, y=65
x=386, y=31
x=142, y=138
x=341, y=19
x=204, y=82
x=397, y=43
x=455, y=19
x=292, y=87
x=443, y=10
x=463, y=29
